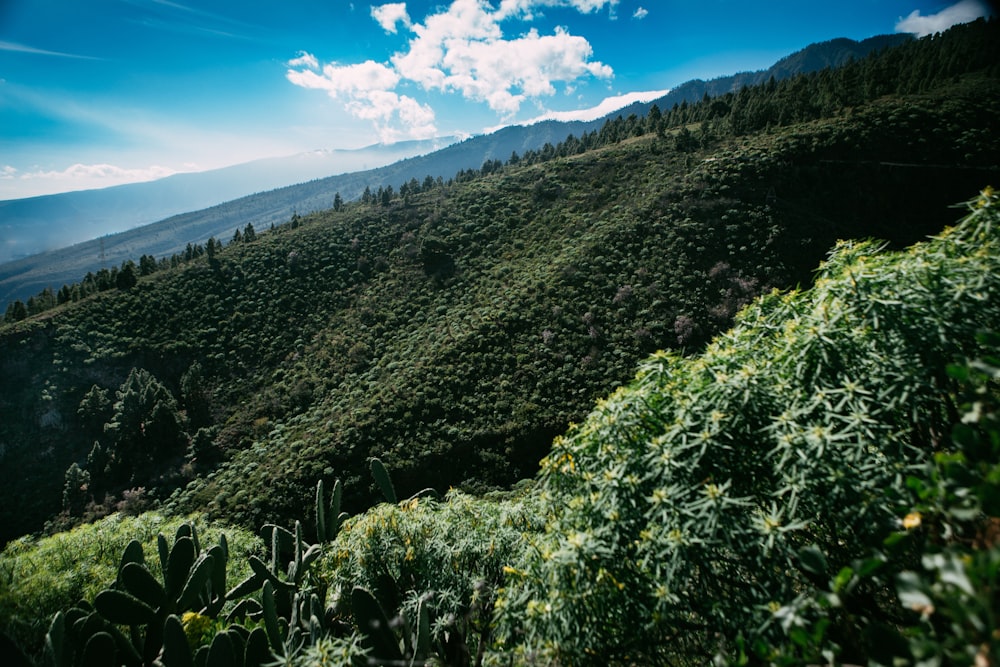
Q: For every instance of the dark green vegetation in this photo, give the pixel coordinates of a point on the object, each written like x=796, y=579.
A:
x=754, y=494
x=455, y=329
x=41, y=578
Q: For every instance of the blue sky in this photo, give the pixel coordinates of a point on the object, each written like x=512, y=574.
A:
x=104, y=92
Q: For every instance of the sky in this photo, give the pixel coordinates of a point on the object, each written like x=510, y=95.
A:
x=105, y=92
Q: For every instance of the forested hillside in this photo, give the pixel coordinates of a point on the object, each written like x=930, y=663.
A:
x=804, y=469
x=454, y=328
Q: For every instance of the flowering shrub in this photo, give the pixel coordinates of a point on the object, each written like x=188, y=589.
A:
x=691, y=509
x=449, y=554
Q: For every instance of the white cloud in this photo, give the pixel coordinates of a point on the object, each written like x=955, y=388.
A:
x=524, y=8
x=640, y=13
x=463, y=50
x=460, y=49
x=961, y=12
x=104, y=172
x=606, y=106
x=367, y=91
x=38, y=181
x=389, y=15
x=307, y=60
x=23, y=48
x=351, y=81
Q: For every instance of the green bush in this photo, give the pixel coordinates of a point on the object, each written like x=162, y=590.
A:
x=690, y=508
x=942, y=563
x=448, y=555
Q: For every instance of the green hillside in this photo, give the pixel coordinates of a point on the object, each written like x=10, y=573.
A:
x=821, y=484
x=454, y=329
x=803, y=470
x=26, y=276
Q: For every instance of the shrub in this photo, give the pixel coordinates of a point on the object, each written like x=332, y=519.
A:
x=449, y=555
x=687, y=509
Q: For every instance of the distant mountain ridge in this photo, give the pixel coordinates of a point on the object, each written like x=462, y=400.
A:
x=46, y=222
x=813, y=58
x=27, y=276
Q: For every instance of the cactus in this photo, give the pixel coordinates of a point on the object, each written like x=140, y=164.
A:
x=321, y=522
x=55, y=653
x=274, y=635
x=123, y=608
x=257, y=653
x=99, y=651
x=132, y=554
x=194, y=588
x=216, y=588
x=328, y=516
x=290, y=608
x=383, y=481
x=221, y=652
x=422, y=645
x=335, y=501
x=137, y=580
x=192, y=580
x=179, y=564
x=373, y=623
x=176, y=652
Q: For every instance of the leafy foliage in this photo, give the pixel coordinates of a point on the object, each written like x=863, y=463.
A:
x=942, y=561
x=444, y=558
x=452, y=329
x=698, y=504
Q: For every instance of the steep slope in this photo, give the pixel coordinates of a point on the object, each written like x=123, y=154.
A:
x=813, y=58
x=751, y=496
x=24, y=277
x=455, y=330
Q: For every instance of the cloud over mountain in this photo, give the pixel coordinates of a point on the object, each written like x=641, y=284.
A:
x=461, y=49
x=961, y=12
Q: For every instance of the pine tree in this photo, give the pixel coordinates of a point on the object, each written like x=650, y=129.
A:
x=127, y=278
x=16, y=312
x=75, y=489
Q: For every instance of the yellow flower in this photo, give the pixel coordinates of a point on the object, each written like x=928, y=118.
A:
x=197, y=629
x=911, y=520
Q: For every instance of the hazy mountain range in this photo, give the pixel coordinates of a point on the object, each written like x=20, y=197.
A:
x=73, y=233
x=36, y=224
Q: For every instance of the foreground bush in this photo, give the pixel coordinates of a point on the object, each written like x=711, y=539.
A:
x=695, y=507
x=448, y=557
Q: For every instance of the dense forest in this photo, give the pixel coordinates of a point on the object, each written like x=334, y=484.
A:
x=741, y=498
